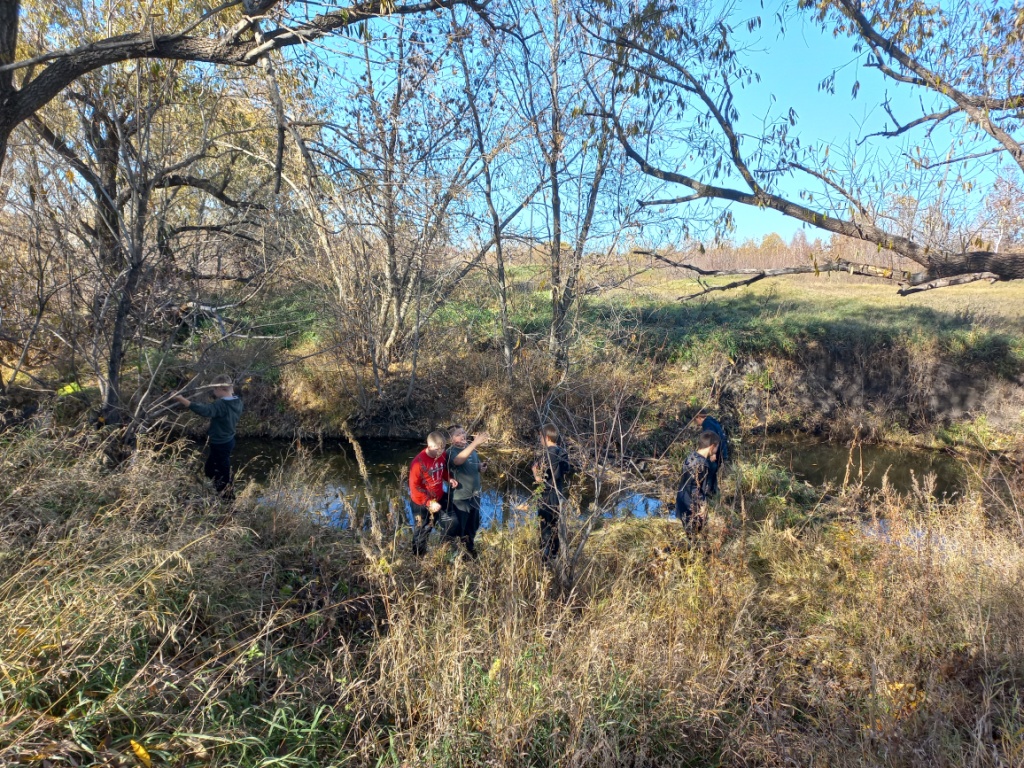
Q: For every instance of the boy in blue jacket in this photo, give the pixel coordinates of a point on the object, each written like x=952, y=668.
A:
x=707, y=423
x=223, y=413
x=698, y=482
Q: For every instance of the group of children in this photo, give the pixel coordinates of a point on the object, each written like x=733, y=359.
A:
x=444, y=481
x=444, y=486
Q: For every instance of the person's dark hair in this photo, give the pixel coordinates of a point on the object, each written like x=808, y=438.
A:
x=550, y=431
x=707, y=439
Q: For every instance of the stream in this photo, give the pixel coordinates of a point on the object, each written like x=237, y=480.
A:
x=507, y=484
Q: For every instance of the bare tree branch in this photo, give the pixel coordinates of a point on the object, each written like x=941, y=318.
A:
x=207, y=186
x=953, y=160
x=826, y=180
x=935, y=117
x=979, y=108
x=755, y=275
x=946, y=282
x=18, y=104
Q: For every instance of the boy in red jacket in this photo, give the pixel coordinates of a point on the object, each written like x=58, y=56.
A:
x=427, y=475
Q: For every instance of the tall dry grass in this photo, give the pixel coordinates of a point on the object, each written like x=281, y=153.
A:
x=139, y=614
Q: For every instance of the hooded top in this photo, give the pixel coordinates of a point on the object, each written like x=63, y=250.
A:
x=555, y=463
x=223, y=415
x=713, y=425
x=466, y=474
x=697, y=483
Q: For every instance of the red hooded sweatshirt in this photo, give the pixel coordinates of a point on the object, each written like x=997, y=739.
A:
x=427, y=477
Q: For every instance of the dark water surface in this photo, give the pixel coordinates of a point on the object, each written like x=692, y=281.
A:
x=820, y=463
x=508, y=483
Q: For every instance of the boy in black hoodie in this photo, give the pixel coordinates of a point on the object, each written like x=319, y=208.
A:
x=223, y=413
x=706, y=423
x=698, y=482
x=550, y=472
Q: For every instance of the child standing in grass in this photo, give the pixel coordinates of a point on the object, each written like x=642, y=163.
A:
x=707, y=423
x=464, y=466
x=698, y=482
x=223, y=413
x=427, y=475
x=550, y=473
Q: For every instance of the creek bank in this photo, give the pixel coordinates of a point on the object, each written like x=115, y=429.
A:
x=839, y=403
x=339, y=491
x=883, y=399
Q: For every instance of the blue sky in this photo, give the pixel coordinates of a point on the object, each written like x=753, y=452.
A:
x=792, y=66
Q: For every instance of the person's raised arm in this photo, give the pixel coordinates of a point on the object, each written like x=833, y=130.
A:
x=463, y=456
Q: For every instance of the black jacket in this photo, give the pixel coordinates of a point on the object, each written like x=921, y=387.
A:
x=555, y=465
x=698, y=482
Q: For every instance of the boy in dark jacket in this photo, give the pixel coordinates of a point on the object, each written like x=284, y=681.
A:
x=550, y=473
x=223, y=413
x=707, y=423
x=698, y=482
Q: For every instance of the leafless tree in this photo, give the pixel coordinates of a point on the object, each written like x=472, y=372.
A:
x=149, y=150
x=225, y=35
x=573, y=152
x=395, y=166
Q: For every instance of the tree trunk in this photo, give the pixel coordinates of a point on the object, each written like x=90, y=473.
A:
x=108, y=217
x=9, y=11
x=111, y=412
x=1007, y=266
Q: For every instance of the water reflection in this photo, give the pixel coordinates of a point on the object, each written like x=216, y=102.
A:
x=505, y=500
x=820, y=463
x=508, y=483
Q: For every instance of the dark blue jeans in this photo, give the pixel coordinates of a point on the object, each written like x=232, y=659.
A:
x=690, y=511
x=218, y=464
x=549, y=542
x=425, y=522
x=467, y=521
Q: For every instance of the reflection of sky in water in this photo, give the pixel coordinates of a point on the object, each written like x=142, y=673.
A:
x=820, y=462
x=505, y=500
x=497, y=509
x=507, y=486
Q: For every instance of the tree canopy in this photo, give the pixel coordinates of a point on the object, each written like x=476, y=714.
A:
x=685, y=76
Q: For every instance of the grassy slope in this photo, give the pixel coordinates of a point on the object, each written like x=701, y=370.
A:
x=134, y=607
x=835, y=354
x=971, y=324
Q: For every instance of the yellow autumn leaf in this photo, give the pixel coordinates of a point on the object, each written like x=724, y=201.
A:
x=141, y=753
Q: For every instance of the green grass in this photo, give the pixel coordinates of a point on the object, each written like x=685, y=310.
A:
x=788, y=318
x=293, y=315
